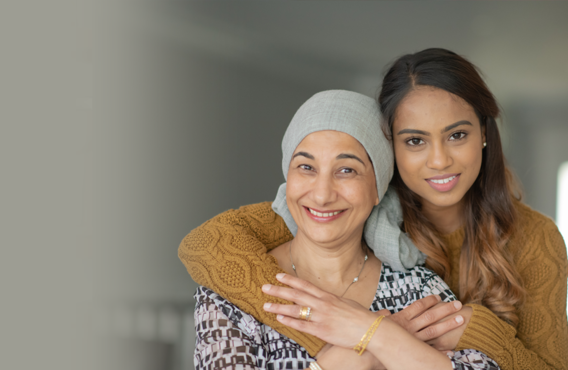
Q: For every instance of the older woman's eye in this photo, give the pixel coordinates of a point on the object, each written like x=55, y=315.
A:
x=458, y=135
x=305, y=167
x=414, y=141
x=346, y=171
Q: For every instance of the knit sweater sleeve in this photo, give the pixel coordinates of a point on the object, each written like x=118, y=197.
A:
x=228, y=255
x=541, y=338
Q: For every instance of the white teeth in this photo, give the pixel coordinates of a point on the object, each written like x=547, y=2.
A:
x=443, y=181
x=329, y=214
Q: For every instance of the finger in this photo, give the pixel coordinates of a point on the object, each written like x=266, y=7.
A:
x=290, y=310
x=439, y=329
x=419, y=306
x=300, y=284
x=289, y=294
x=301, y=325
x=433, y=315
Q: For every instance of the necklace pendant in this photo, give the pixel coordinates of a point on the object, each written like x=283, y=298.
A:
x=356, y=279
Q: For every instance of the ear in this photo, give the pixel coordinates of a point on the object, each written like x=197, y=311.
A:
x=377, y=201
x=483, y=129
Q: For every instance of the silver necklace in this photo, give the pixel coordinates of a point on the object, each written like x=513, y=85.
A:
x=353, y=282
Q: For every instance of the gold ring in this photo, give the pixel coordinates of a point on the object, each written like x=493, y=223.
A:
x=304, y=313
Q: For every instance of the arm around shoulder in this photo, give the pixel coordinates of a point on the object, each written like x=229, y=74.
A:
x=228, y=255
x=219, y=252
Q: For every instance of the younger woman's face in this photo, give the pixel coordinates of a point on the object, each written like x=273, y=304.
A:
x=438, y=145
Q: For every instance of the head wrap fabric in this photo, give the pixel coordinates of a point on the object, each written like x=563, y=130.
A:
x=358, y=116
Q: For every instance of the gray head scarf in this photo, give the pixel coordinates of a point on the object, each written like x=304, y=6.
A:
x=356, y=115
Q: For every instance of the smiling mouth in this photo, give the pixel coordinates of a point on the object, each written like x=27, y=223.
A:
x=442, y=181
x=324, y=214
x=444, y=184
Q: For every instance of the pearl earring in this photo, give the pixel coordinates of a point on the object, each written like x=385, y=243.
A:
x=484, y=144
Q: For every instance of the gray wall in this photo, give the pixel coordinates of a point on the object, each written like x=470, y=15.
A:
x=536, y=147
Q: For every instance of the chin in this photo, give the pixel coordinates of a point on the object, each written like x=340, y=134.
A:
x=321, y=236
x=443, y=200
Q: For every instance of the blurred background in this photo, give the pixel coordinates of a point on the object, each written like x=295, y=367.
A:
x=182, y=106
x=202, y=93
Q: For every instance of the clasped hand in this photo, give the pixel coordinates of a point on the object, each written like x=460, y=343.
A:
x=342, y=322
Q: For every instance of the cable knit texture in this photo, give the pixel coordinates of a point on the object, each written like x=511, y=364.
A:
x=228, y=255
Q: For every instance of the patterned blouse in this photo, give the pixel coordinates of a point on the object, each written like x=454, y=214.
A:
x=228, y=338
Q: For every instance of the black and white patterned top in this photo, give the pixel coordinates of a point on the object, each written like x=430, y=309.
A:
x=228, y=338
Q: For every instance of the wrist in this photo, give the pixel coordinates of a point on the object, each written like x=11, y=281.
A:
x=388, y=338
x=366, y=339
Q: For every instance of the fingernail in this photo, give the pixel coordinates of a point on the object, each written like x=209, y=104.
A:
x=438, y=297
x=266, y=287
x=280, y=317
x=457, y=305
x=267, y=305
x=450, y=353
x=280, y=275
x=459, y=319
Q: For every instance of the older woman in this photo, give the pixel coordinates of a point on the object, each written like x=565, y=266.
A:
x=337, y=166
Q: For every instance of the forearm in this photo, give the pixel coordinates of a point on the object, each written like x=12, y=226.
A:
x=339, y=358
x=237, y=239
x=397, y=349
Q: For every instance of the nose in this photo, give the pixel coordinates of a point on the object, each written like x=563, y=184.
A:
x=438, y=157
x=323, y=191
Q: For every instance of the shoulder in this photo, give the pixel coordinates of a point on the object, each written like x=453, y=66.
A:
x=531, y=220
x=423, y=279
x=417, y=272
x=536, y=232
x=207, y=301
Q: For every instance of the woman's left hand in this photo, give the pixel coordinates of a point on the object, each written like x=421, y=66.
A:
x=339, y=321
x=449, y=341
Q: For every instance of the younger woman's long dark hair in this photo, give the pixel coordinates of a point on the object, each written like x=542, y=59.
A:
x=487, y=273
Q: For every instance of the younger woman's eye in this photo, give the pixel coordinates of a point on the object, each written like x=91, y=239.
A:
x=458, y=135
x=414, y=141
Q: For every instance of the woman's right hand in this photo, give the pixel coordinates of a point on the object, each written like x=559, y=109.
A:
x=422, y=317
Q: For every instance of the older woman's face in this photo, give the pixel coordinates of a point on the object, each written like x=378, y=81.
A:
x=330, y=187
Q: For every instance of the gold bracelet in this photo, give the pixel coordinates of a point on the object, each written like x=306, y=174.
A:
x=315, y=366
x=360, y=348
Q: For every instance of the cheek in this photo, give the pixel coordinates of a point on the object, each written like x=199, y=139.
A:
x=360, y=194
x=408, y=163
x=295, y=186
x=471, y=158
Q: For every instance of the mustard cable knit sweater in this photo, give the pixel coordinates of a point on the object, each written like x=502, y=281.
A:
x=228, y=255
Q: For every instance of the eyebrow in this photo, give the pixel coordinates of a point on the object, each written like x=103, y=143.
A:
x=303, y=154
x=454, y=125
x=341, y=156
x=445, y=129
x=349, y=156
